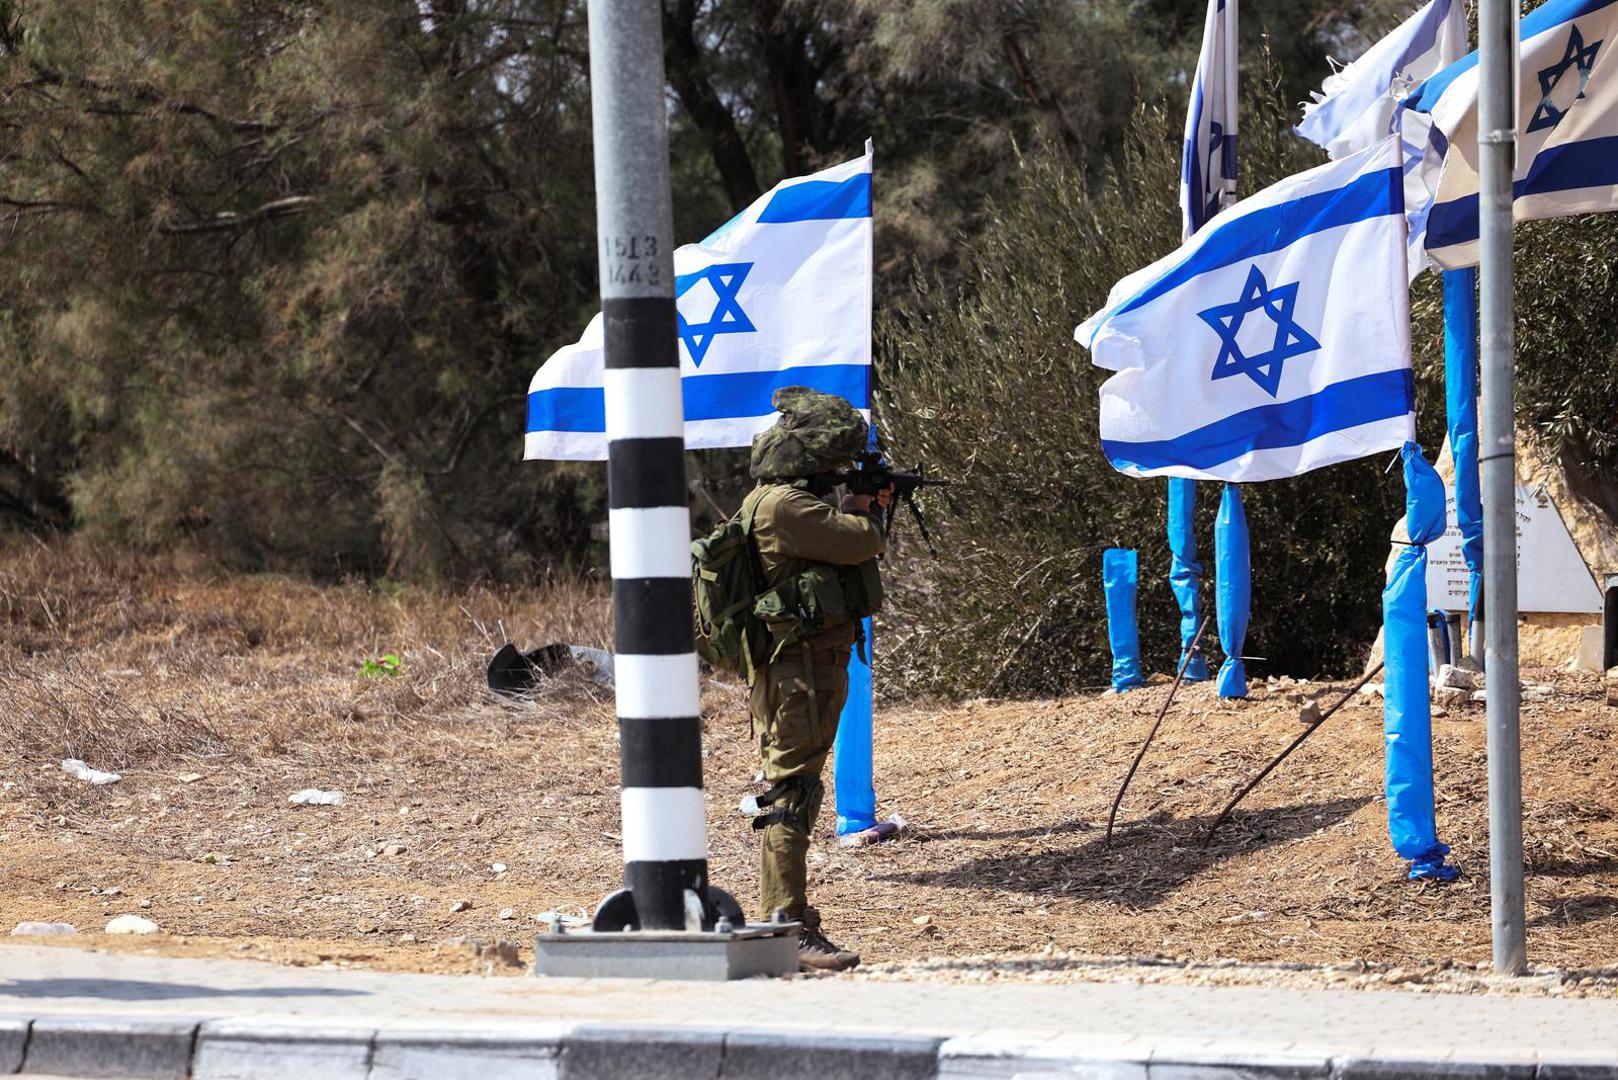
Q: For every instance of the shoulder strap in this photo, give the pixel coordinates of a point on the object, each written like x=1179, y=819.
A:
x=749, y=514
x=749, y=510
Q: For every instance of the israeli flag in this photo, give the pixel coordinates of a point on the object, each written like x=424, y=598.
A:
x=1208, y=162
x=1274, y=341
x=1359, y=106
x=779, y=296
x=1567, y=127
x=1354, y=107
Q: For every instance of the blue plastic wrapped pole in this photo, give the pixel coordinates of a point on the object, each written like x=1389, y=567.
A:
x=1461, y=414
x=1233, y=592
x=1120, y=571
x=1406, y=712
x=852, y=768
x=1185, y=572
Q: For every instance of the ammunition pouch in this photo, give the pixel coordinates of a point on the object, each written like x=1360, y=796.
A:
x=822, y=597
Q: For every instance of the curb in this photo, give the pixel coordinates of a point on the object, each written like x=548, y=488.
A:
x=152, y=1048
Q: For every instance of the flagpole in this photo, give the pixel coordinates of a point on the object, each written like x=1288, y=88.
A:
x=1218, y=66
x=1497, y=139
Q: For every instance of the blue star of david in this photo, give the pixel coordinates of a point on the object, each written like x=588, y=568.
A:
x=728, y=316
x=1290, y=338
x=1577, y=54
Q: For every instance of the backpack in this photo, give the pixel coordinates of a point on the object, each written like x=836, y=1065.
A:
x=726, y=580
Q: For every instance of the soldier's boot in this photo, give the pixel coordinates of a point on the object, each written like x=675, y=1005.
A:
x=816, y=951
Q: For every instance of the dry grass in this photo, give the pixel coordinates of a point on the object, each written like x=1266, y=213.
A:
x=219, y=696
x=122, y=661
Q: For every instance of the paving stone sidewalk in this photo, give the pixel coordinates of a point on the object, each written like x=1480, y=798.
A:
x=81, y=1013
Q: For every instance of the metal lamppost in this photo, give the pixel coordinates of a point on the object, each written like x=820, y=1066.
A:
x=667, y=921
x=1497, y=145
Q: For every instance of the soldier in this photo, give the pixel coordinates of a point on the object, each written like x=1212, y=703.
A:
x=820, y=574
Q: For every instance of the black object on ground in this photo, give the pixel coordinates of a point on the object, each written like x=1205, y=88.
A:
x=512, y=673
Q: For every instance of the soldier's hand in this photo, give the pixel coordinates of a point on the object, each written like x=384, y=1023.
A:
x=861, y=504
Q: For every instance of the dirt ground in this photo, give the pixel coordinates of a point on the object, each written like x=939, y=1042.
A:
x=467, y=817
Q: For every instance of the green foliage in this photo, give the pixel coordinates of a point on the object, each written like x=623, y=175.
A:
x=386, y=666
x=283, y=272
x=279, y=273
x=985, y=384
x=1567, y=384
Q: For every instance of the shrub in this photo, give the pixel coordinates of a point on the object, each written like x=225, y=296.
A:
x=986, y=384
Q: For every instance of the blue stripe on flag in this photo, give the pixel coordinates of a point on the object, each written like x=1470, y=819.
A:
x=820, y=200
x=1260, y=232
x=1545, y=17
x=1347, y=404
x=1195, y=196
x=748, y=393
x=707, y=397
x=568, y=408
x=1590, y=163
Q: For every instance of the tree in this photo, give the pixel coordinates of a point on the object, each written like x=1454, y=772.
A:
x=287, y=268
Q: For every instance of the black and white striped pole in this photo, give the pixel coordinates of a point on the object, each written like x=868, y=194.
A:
x=666, y=920
x=664, y=824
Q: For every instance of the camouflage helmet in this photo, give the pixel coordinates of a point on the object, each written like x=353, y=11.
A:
x=817, y=433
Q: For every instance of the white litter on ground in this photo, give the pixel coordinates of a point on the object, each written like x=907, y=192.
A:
x=597, y=664
x=316, y=797
x=80, y=771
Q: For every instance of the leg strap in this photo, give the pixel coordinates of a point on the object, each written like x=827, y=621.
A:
x=796, y=800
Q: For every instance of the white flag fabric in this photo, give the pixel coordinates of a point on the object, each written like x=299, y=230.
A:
x=1275, y=341
x=1354, y=107
x=1208, y=161
x=1359, y=106
x=1567, y=127
x=779, y=296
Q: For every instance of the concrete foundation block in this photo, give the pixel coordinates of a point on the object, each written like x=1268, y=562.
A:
x=641, y=954
x=1592, y=650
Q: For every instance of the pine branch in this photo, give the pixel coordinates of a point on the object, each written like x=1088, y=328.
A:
x=230, y=220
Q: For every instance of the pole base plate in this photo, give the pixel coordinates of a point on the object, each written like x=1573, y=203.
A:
x=707, y=955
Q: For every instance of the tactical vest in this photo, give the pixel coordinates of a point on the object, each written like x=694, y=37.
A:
x=742, y=623
x=820, y=597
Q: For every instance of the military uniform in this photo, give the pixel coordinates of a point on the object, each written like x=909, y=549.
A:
x=799, y=692
x=819, y=577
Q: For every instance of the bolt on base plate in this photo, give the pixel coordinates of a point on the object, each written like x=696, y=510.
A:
x=710, y=955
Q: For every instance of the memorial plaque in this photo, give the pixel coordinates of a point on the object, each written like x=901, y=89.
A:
x=1551, y=575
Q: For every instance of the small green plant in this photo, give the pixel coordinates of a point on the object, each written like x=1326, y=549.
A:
x=387, y=665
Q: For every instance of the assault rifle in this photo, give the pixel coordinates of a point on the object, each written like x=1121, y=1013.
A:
x=873, y=472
